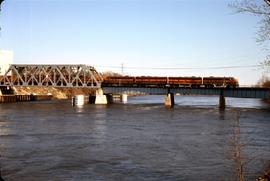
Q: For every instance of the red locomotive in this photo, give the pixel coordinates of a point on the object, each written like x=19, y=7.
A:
x=150, y=81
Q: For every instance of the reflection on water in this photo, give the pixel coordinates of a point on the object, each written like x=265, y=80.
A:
x=141, y=140
x=202, y=101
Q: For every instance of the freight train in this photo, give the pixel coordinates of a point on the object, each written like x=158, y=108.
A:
x=150, y=81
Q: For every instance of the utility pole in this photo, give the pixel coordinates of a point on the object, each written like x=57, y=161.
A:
x=122, y=68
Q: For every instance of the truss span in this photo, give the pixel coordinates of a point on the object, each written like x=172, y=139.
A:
x=52, y=75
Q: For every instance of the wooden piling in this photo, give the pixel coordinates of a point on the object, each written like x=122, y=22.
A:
x=23, y=98
x=7, y=98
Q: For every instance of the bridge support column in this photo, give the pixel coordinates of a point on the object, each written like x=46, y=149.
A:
x=100, y=97
x=222, y=102
x=124, y=98
x=78, y=100
x=117, y=98
x=169, y=100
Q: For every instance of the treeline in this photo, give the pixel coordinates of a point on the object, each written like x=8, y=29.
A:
x=264, y=82
x=111, y=74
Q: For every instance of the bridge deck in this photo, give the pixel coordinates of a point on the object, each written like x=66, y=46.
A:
x=262, y=93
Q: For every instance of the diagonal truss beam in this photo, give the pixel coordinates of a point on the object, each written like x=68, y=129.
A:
x=52, y=75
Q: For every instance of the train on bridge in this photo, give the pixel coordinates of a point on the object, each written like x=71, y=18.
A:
x=87, y=76
x=151, y=81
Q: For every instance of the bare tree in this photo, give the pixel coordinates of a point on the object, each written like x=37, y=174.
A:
x=257, y=8
x=261, y=9
x=264, y=81
x=111, y=74
x=1, y=3
x=268, y=2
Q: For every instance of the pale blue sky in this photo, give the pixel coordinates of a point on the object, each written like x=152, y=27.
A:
x=138, y=33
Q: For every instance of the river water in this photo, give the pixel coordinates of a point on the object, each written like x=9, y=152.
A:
x=140, y=140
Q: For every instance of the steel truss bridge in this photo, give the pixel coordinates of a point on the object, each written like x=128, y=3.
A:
x=52, y=75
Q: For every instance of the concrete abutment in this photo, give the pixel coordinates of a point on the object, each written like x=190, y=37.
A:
x=102, y=98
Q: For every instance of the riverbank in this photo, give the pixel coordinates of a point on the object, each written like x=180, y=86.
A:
x=57, y=93
x=265, y=176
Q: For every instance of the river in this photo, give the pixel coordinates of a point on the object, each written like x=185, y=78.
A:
x=138, y=141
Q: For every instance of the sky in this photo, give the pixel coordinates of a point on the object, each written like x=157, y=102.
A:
x=136, y=37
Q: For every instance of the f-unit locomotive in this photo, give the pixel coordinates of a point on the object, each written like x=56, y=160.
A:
x=151, y=81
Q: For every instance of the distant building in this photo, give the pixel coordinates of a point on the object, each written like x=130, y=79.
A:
x=6, y=59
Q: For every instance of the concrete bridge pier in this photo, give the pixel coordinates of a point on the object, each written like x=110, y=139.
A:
x=100, y=97
x=124, y=98
x=169, y=100
x=78, y=100
x=222, y=101
x=118, y=98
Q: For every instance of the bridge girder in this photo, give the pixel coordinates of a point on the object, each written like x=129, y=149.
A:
x=71, y=76
x=260, y=93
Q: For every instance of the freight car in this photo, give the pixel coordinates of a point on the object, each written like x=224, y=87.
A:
x=151, y=81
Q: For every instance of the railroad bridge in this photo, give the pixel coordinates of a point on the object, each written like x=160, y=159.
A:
x=85, y=76
x=239, y=92
x=71, y=76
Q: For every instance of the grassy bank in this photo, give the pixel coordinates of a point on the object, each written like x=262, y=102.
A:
x=57, y=93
